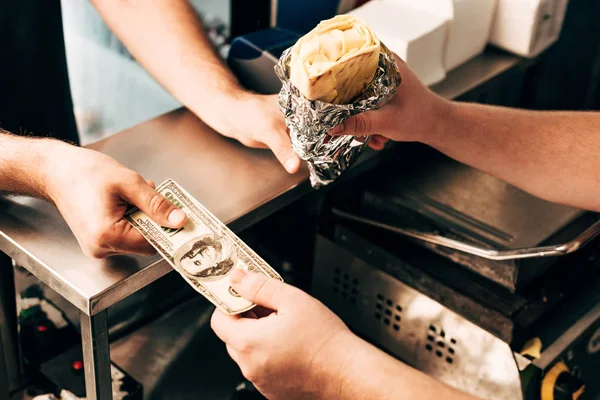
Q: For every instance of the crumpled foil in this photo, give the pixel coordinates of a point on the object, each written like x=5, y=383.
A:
x=309, y=121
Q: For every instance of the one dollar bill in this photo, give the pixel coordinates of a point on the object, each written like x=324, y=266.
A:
x=205, y=252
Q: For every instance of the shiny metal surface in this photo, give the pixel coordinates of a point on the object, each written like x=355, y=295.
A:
x=558, y=347
x=496, y=255
x=96, y=356
x=11, y=370
x=483, y=207
x=234, y=182
x=4, y=389
x=237, y=184
x=178, y=356
x=476, y=72
x=415, y=328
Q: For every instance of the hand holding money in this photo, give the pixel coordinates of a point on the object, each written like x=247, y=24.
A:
x=295, y=352
x=93, y=197
x=204, y=251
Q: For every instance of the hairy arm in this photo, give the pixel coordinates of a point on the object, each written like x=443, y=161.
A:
x=550, y=154
x=553, y=155
x=168, y=39
x=369, y=373
x=23, y=164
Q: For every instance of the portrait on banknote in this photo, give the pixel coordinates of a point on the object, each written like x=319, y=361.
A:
x=204, y=251
x=207, y=258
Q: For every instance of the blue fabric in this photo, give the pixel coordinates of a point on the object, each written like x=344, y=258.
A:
x=302, y=16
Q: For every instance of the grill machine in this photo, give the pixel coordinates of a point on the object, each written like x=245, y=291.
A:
x=467, y=278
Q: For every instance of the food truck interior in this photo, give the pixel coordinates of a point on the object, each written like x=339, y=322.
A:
x=450, y=270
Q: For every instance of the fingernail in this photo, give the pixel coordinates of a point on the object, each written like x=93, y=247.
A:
x=291, y=165
x=237, y=276
x=176, y=216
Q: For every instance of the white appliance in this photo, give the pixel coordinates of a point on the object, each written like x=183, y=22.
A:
x=416, y=35
x=527, y=27
x=468, y=27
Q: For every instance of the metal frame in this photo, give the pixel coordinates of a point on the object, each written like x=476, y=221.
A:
x=4, y=388
x=495, y=255
x=96, y=356
x=10, y=361
x=94, y=338
x=552, y=353
x=413, y=327
x=21, y=236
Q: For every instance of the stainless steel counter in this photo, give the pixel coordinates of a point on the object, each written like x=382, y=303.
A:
x=239, y=185
x=232, y=181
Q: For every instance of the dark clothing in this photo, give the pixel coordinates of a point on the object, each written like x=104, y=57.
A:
x=35, y=96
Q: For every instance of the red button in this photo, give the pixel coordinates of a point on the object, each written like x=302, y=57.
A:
x=42, y=328
x=77, y=365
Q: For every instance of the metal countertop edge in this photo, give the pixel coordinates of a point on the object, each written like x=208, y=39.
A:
x=44, y=274
x=245, y=219
x=160, y=267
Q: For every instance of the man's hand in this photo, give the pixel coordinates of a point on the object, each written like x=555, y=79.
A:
x=291, y=346
x=92, y=192
x=255, y=121
x=413, y=114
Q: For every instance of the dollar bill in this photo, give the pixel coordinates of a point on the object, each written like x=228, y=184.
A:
x=205, y=252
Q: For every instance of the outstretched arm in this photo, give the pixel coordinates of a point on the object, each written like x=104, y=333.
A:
x=553, y=155
x=168, y=39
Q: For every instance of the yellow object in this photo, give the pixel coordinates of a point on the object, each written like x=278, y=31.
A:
x=578, y=393
x=532, y=348
x=549, y=381
x=335, y=61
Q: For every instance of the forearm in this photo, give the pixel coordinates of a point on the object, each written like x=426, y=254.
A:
x=168, y=39
x=369, y=373
x=23, y=164
x=553, y=155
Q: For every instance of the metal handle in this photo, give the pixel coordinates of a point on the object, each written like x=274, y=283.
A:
x=497, y=255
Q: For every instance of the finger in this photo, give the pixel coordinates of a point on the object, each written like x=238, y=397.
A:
x=380, y=138
x=228, y=327
x=155, y=205
x=357, y=125
x=377, y=142
x=151, y=183
x=376, y=146
x=232, y=353
x=259, y=289
x=130, y=241
x=280, y=145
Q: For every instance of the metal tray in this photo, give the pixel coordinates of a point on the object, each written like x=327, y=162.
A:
x=474, y=219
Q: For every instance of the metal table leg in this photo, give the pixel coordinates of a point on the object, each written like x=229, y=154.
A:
x=96, y=356
x=4, y=389
x=10, y=350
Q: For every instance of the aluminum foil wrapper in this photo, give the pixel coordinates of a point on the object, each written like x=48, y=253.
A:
x=309, y=121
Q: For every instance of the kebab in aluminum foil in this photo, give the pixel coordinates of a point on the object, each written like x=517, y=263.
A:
x=337, y=70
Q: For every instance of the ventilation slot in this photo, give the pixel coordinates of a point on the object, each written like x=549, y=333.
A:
x=388, y=312
x=440, y=345
x=345, y=286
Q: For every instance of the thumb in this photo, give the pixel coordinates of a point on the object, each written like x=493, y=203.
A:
x=155, y=205
x=280, y=145
x=259, y=289
x=357, y=125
